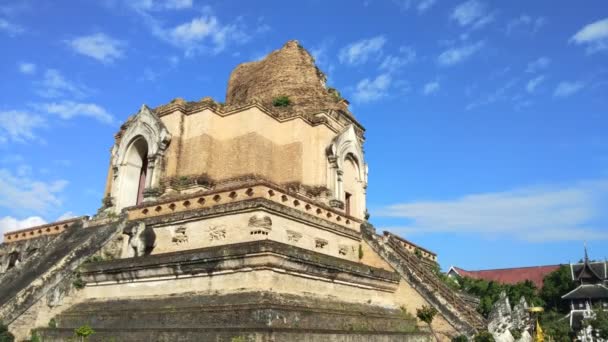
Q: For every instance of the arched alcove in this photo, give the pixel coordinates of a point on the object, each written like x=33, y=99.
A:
x=13, y=260
x=137, y=159
x=347, y=172
x=134, y=169
x=352, y=185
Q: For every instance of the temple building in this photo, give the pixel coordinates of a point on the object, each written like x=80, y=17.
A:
x=590, y=294
x=244, y=220
x=512, y=276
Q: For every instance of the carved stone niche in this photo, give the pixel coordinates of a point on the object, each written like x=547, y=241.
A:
x=293, y=236
x=320, y=243
x=180, y=236
x=260, y=222
x=343, y=250
x=260, y=225
x=217, y=233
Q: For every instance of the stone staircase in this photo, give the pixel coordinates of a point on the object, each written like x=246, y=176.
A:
x=457, y=312
x=47, y=274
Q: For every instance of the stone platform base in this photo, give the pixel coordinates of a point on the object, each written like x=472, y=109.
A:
x=237, y=317
x=233, y=335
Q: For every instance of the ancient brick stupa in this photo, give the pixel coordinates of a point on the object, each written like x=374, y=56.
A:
x=243, y=221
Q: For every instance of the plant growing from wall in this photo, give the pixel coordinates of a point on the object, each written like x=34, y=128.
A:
x=84, y=332
x=34, y=337
x=483, y=336
x=516, y=333
x=418, y=253
x=78, y=283
x=460, y=338
x=52, y=323
x=5, y=335
x=426, y=314
x=360, y=252
x=281, y=101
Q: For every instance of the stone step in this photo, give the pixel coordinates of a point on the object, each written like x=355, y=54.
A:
x=152, y=334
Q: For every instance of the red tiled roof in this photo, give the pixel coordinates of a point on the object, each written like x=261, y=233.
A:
x=511, y=275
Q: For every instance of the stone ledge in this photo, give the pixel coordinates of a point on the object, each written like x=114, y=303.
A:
x=247, y=205
x=254, y=255
x=192, y=316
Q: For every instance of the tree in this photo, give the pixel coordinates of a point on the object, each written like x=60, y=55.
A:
x=555, y=285
x=460, y=338
x=5, y=335
x=483, y=336
x=426, y=314
x=600, y=322
x=556, y=327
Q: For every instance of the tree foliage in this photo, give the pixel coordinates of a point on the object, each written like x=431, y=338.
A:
x=460, y=338
x=600, y=322
x=426, y=314
x=489, y=292
x=5, y=335
x=555, y=285
x=483, y=336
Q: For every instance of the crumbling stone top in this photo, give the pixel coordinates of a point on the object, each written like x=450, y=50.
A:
x=291, y=72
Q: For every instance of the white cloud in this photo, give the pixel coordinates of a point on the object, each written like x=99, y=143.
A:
x=537, y=65
x=499, y=94
x=9, y=223
x=544, y=213
x=159, y=5
x=18, y=126
x=420, y=5
x=594, y=36
x=525, y=23
x=368, y=90
x=70, y=109
x=54, y=84
x=534, y=83
x=430, y=88
x=455, y=55
x=204, y=34
x=565, y=89
x=359, y=52
x=10, y=28
x=98, y=46
x=394, y=63
x=472, y=13
x=424, y=5
x=66, y=216
x=21, y=193
x=27, y=68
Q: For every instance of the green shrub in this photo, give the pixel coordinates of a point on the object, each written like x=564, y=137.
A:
x=516, y=334
x=281, y=101
x=460, y=338
x=360, y=252
x=78, y=282
x=35, y=337
x=483, y=336
x=84, y=332
x=426, y=314
x=5, y=335
x=52, y=323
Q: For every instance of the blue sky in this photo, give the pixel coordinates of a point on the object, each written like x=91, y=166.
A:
x=486, y=120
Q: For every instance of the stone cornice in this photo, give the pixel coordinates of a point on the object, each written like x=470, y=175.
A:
x=45, y=229
x=317, y=118
x=248, y=256
x=269, y=195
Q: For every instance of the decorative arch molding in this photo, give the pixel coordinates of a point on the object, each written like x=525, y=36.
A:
x=347, y=146
x=146, y=127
